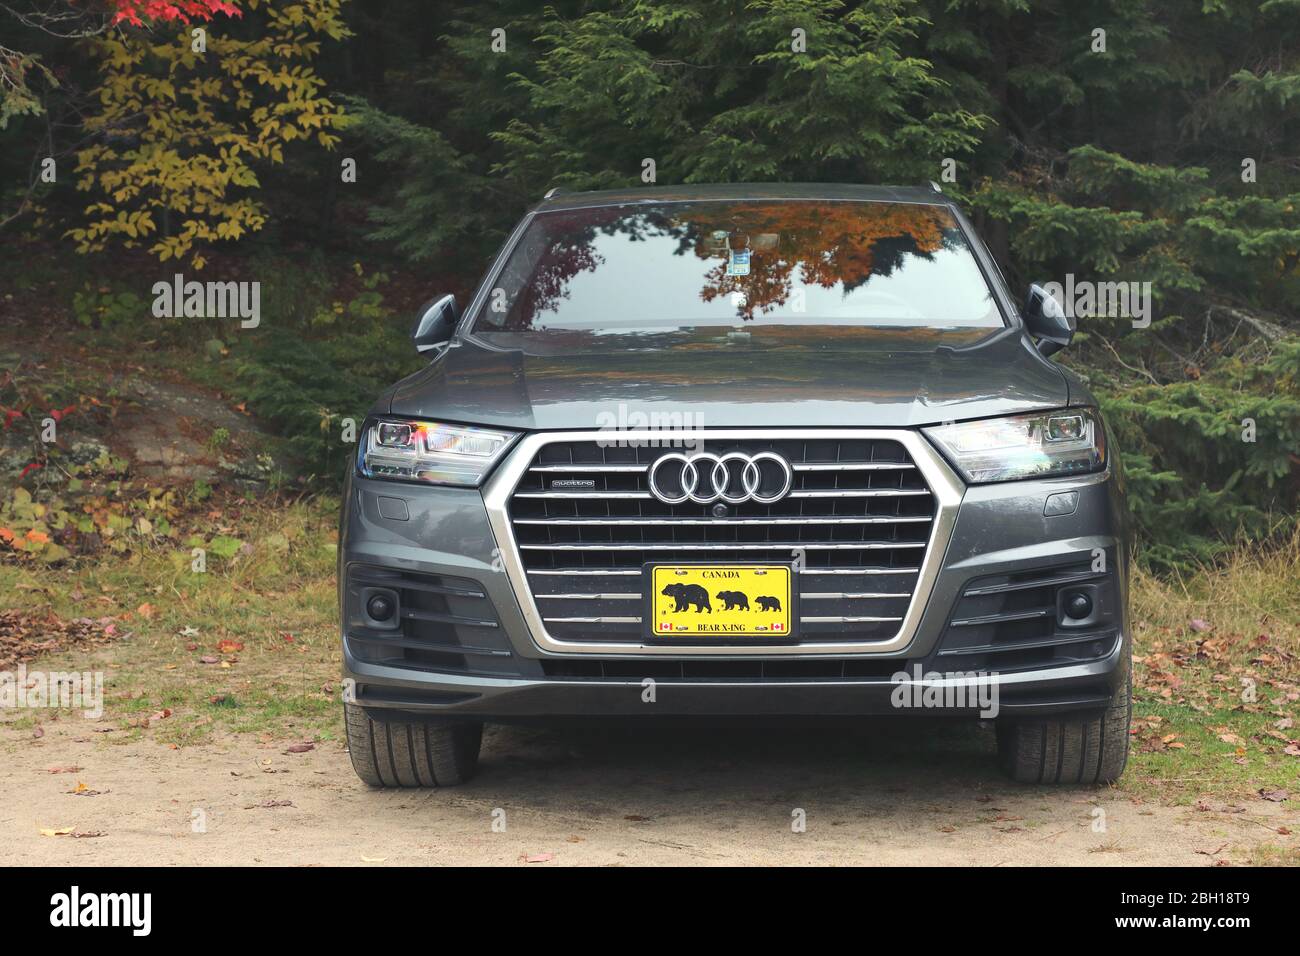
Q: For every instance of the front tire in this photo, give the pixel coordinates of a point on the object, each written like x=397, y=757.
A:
x=1070, y=749
x=405, y=750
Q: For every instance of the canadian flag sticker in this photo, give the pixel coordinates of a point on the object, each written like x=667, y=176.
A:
x=777, y=627
x=665, y=626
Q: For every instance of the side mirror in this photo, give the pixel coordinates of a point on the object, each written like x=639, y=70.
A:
x=1047, y=321
x=436, y=324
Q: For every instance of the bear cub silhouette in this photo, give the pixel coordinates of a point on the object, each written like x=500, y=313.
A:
x=733, y=599
x=768, y=603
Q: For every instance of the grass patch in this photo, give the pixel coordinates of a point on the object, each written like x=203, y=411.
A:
x=249, y=645
x=1217, y=679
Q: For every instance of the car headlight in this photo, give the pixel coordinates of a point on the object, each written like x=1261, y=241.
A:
x=429, y=451
x=1067, y=442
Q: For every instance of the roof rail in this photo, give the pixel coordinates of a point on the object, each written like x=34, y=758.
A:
x=553, y=191
x=935, y=186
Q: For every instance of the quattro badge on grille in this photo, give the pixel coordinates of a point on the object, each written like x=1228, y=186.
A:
x=734, y=478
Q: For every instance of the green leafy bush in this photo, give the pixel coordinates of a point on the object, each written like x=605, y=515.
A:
x=309, y=376
x=106, y=307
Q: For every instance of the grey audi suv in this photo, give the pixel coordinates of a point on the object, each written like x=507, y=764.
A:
x=759, y=451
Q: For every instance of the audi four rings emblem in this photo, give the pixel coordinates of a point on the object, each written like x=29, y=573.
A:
x=705, y=478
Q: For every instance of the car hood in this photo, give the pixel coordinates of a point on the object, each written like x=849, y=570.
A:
x=716, y=378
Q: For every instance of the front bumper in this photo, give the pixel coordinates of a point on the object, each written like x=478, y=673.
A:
x=489, y=662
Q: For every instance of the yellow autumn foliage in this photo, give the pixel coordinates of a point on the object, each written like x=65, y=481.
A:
x=178, y=133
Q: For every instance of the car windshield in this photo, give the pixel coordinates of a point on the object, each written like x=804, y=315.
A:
x=683, y=265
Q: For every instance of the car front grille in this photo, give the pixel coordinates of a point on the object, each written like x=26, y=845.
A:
x=857, y=522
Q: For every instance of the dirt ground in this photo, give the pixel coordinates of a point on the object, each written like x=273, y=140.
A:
x=904, y=793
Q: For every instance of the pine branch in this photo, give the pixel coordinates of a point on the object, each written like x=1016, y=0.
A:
x=1270, y=330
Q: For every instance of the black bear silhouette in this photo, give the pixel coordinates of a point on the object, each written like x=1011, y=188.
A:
x=733, y=599
x=686, y=595
x=768, y=603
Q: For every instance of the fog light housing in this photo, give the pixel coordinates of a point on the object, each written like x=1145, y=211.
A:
x=1077, y=605
x=1080, y=606
x=380, y=607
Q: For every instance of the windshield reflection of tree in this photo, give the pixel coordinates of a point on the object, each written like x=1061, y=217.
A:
x=830, y=245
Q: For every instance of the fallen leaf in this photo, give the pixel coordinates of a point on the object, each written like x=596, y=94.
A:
x=56, y=831
x=67, y=769
x=300, y=748
x=38, y=732
x=229, y=647
x=1273, y=796
x=1198, y=625
x=539, y=858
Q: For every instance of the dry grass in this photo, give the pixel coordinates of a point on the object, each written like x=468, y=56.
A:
x=249, y=645
x=1217, y=678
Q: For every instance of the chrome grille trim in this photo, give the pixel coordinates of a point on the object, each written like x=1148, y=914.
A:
x=637, y=620
x=593, y=620
x=785, y=547
x=848, y=595
x=588, y=496
x=569, y=469
x=946, y=488
x=868, y=570
x=646, y=496
x=855, y=466
x=606, y=572
x=706, y=522
x=615, y=596
x=844, y=619
x=580, y=571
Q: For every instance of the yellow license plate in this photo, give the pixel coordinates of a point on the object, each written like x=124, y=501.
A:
x=724, y=601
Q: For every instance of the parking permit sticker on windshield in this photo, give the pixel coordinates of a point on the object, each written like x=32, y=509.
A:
x=738, y=263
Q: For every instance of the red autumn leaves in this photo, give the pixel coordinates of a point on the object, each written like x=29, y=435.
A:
x=136, y=12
